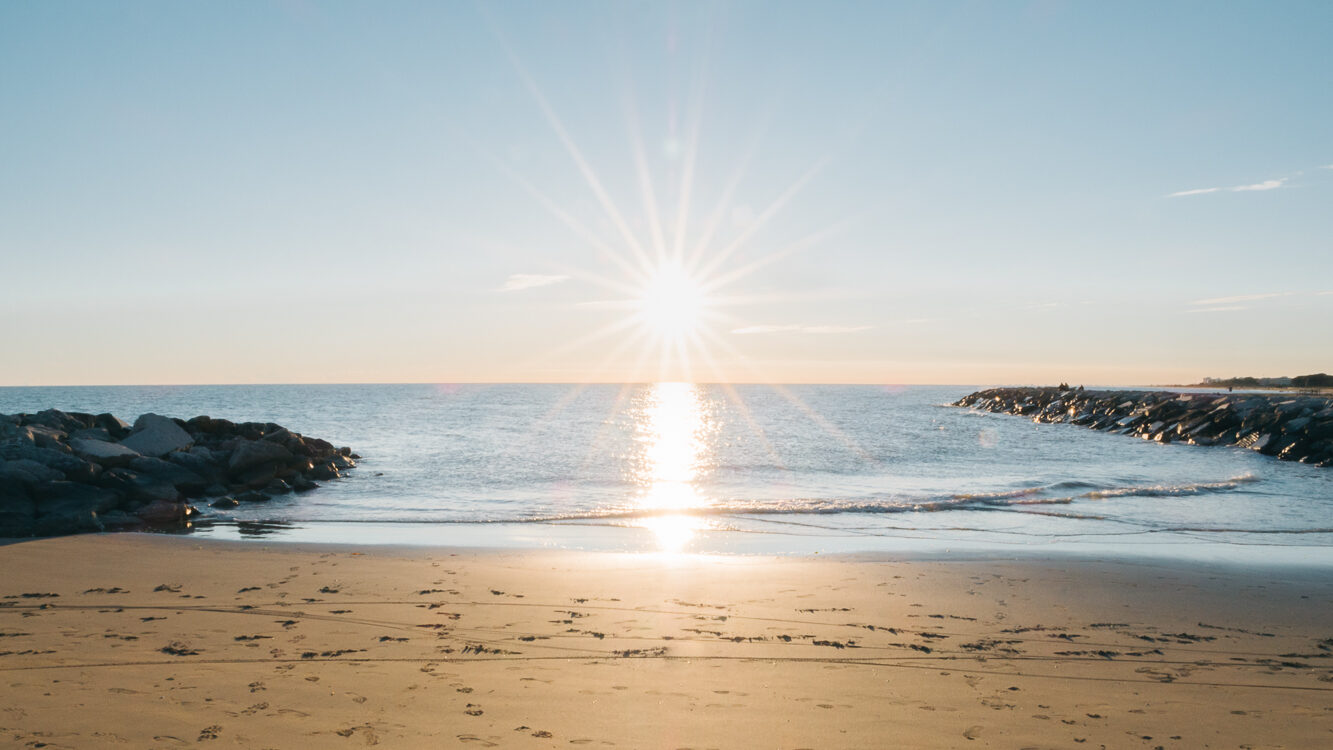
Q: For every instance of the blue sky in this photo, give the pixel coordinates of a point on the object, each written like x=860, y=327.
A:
x=928, y=192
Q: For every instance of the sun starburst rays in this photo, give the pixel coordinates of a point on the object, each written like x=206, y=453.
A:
x=672, y=288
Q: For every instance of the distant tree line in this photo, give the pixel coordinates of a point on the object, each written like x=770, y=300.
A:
x=1318, y=380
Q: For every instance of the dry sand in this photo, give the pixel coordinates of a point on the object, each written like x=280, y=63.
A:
x=144, y=642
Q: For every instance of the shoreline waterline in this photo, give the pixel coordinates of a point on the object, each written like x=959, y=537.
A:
x=619, y=538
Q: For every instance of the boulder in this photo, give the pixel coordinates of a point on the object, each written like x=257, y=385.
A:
x=255, y=477
x=48, y=437
x=29, y=472
x=188, y=482
x=58, y=460
x=115, y=426
x=163, y=513
x=53, y=497
x=70, y=507
x=14, y=493
x=16, y=522
x=56, y=420
x=224, y=503
x=325, y=471
x=13, y=434
x=156, y=436
x=201, y=461
x=250, y=454
x=140, y=488
x=102, y=453
x=92, y=433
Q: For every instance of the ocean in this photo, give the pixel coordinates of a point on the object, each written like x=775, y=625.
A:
x=801, y=469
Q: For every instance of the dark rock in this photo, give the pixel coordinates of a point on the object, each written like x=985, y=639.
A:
x=188, y=482
x=57, y=420
x=155, y=435
x=201, y=461
x=86, y=472
x=63, y=473
x=91, y=433
x=256, y=477
x=281, y=435
x=65, y=506
x=15, y=520
x=102, y=453
x=1291, y=429
x=69, y=521
x=49, y=437
x=29, y=472
x=14, y=492
x=324, y=472
x=162, y=513
x=195, y=425
x=140, y=488
x=301, y=484
x=255, y=453
x=317, y=448
x=114, y=426
x=64, y=462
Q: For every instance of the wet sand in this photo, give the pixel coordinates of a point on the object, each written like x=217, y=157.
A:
x=146, y=641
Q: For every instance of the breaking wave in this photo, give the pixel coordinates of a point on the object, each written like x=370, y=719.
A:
x=1045, y=495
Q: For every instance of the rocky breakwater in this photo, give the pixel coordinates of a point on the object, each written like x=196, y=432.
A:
x=1289, y=427
x=68, y=472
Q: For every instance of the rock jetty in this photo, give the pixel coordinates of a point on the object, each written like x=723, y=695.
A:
x=69, y=472
x=1289, y=427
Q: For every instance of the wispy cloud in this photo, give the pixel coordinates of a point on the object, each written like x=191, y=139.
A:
x=1224, y=308
x=798, y=329
x=1199, y=191
x=1265, y=185
x=1240, y=298
x=520, y=281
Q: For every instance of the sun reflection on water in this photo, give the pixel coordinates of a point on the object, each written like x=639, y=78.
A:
x=672, y=426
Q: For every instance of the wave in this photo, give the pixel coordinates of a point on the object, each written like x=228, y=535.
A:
x=1027, y=496
x=1024, y=500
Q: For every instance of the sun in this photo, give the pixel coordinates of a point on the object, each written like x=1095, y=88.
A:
x=671, y=303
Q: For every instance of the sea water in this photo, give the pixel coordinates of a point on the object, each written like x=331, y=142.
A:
x=680, y=467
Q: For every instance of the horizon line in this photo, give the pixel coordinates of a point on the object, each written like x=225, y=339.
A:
x=588, y=383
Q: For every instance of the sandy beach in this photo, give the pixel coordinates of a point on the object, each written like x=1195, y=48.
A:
x=151, y=641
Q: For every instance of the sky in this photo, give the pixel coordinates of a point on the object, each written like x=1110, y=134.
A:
x=942, y=192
